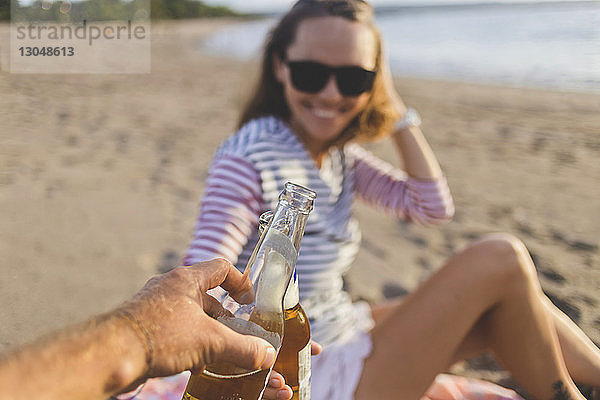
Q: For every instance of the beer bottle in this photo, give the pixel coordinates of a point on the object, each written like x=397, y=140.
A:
x=270, y=269
x=293, y=360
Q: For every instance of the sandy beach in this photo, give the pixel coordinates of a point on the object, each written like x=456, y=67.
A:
x=100, y=177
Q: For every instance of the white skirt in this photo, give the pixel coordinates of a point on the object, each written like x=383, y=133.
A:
x=337, y=370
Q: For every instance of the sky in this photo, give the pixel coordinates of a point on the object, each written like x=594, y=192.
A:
x=280, y=5
x=283, y=5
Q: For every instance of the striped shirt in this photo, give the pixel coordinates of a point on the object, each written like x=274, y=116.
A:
x=248, y=173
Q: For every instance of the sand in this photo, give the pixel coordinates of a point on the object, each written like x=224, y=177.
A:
x=100, y=177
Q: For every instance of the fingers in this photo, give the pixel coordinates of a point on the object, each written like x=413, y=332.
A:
x=221, y=272
x=284, y=393
x=213, y=308
x=276, y=380
x=245, y=351
x=276, y=388
x=212, y=273
x=239, y=286
x=315, y=348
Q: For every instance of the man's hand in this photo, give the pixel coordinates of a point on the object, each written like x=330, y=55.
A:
x=170, y=312
x=164, y=329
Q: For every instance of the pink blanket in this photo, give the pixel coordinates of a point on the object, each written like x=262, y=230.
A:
x=445, y=387
x=452, y=387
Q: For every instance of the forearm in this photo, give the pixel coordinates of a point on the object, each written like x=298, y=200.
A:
x=229, y=211
x=418, y=157
x=426, y=201
x=88, y=361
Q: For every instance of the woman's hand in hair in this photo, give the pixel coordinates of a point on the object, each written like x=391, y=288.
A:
x=388, y=82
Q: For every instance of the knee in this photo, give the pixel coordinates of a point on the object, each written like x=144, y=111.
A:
x=507, y=258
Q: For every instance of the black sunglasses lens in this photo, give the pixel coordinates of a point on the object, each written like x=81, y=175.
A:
x=353, y=81
x=309, y=76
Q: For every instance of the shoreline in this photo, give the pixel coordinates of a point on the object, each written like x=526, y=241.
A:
x=532, y=74
x=200, y=29
x=501, y=85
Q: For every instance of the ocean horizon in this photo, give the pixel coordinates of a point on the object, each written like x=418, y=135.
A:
x=552, y=45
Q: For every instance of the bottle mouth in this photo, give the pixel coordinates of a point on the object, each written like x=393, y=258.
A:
x=300, y=190
x=298, y=196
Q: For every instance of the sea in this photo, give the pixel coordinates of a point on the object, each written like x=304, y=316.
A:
x=553, y=45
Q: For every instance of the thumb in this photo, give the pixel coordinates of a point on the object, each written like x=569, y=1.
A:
x=246, y=351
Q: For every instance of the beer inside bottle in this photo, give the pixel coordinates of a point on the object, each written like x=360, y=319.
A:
x=293, y=360
x=224, y=387
x=270, y=269
x=225, y=381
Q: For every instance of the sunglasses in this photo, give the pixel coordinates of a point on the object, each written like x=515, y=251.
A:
x=312, y=76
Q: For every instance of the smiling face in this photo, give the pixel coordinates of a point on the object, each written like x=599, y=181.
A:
x=319, y=118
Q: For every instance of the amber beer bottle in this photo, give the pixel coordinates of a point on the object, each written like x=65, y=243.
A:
x=270, y=269
x=293, y=360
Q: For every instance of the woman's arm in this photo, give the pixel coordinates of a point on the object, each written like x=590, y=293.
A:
x=418, y=193
x=419, y=160
x=417, y=156
x=380, y=184
x=229, y=210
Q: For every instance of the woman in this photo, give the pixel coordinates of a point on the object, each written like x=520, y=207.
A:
x=325, y=87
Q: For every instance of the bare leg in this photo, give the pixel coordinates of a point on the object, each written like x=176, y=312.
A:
x=582, y=357
x=493, y=285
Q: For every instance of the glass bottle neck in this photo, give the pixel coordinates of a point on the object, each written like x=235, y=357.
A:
x=281, y=232
x=292, y=294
